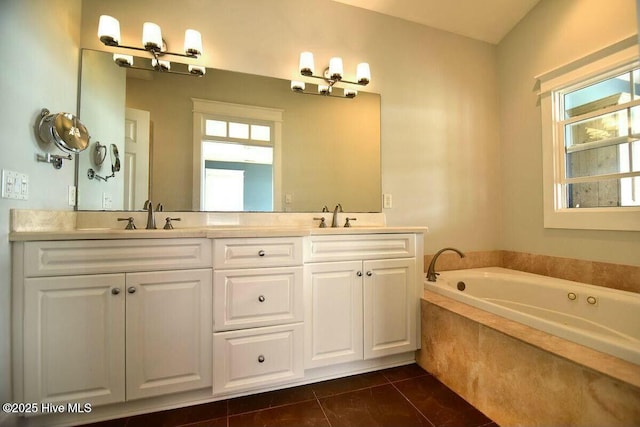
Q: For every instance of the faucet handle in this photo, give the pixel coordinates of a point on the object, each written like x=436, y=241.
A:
x=130, y=224
x=347, y=223
x=322, y=223
x=168, y=225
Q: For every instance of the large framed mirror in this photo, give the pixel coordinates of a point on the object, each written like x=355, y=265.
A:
x=328, y=149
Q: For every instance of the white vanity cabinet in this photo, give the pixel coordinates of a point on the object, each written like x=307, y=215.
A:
x=107, y=321
x=258, y=306
x=364, y=308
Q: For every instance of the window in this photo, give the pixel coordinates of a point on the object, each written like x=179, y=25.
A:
x=591, y=142
x=236, y=155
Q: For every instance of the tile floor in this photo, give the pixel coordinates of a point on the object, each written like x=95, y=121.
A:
x=402, y=396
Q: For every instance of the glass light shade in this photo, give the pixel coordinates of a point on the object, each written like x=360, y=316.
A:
x=350, y=93
x=306, y=63
x=192, y=42
x=297, y=86
x=123, y=60
x=109, y=30
x=151, y=36
x=335, y=68
x=197, y=70
x=363, y=73
x=161, y=64
x=324, y=89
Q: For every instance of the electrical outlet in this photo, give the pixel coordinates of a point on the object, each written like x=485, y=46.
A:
x=72, y=195
x=15, y=185
x=387, y=201
x=107, y=201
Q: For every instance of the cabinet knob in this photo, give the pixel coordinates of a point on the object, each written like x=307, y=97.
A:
x=369, y=273
x=359, y=273
x=260, y=359
x=261, y=298
x=131, y=290
x=260, y=252
x=115, y=291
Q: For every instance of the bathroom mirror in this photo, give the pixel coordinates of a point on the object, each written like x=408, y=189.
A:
x=329, y=152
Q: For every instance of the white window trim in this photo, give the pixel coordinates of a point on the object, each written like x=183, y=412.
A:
x=203, y=108
x=618, y=55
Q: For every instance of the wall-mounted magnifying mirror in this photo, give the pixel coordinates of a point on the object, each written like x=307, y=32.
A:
x=65, y=131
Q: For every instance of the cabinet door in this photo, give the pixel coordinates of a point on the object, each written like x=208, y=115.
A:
x=74, y=339
x=333, y=313
x=169, y=333
x=390, y=307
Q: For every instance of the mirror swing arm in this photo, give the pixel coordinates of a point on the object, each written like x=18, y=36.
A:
x=115, y=163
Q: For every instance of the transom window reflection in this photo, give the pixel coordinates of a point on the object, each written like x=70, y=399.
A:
x=238, y=162
x=598, y=131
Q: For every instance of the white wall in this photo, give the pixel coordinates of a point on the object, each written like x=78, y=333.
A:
x=554, y=33
x=439, y=113
x=39, y=47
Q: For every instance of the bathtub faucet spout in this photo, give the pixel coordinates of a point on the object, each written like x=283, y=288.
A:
x=431, y=272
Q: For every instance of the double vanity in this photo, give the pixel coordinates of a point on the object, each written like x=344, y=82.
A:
x=145, y=320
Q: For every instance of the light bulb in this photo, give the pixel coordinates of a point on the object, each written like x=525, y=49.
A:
x=350, y=93
x=297, y=86
x=151, y=36
x=109, y=30
x=161, y=65
x=363, y=73
x=123, y=60
x=192, y=43
x=306, y=63
x=335, y=68
x=197, y=70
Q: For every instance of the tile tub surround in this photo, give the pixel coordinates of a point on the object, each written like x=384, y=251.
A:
x=616, y=276
x=518, y=375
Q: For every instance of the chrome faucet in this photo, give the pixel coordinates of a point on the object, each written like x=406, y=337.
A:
x=431, y=271
x=334, y=221
x=151, y=220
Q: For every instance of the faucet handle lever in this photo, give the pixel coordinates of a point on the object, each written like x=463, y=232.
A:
x=130, y=224
x=168, y=225
x=347, y=223
x=322, y=223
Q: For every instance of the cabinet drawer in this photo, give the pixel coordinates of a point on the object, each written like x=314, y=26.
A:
x=257, y=252
x=249, y=298
x=259, y=357
x=359, y=247
x=57, y=258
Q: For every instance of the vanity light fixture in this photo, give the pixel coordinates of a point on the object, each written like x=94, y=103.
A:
x=152, y=42
x=332, y=74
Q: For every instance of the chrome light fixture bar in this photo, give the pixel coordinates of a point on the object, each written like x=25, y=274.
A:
x=152, y=41
x=332, y=75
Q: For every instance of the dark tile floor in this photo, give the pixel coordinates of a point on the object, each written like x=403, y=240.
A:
x=402, y=396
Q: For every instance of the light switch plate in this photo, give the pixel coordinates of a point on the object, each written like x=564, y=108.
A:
x=15, y=185
x=387, y=201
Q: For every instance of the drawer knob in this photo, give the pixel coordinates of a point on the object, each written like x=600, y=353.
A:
x=131, y=290
x=260, y=252
x=261, y=359
x=261, y=298
x=369, y=273
x=115, y=291
x=359, y=274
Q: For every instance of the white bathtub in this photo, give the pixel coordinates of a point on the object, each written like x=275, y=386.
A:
x=607, y=320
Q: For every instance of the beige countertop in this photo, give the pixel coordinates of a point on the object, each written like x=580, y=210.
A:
x=202, y=232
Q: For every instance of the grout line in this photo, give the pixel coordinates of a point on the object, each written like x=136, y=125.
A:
x=411, y=403
x=322, y=409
